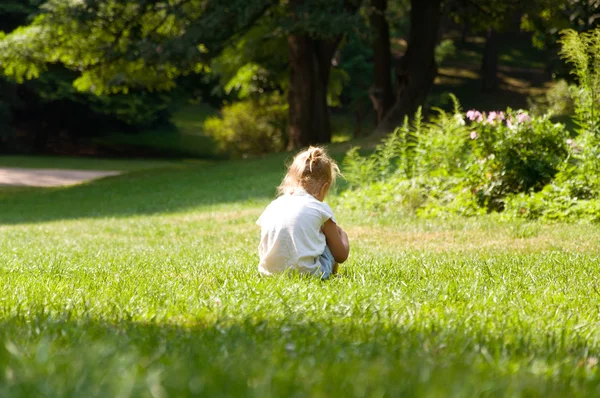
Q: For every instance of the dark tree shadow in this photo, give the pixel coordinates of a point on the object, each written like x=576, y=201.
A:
x=65, y=356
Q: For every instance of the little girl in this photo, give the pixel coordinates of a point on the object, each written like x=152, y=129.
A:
x=298, y=230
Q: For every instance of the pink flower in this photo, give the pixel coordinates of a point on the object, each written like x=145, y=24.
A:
x=491, y=117
x=474, y=115
x=473, y=135
x=509, y=123
x=523, y=117
x=494, y=116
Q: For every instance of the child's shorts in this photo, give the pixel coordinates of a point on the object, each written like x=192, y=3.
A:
x=326, y=260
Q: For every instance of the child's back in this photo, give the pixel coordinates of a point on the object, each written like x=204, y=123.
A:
x=291, y=236
x=298, y=230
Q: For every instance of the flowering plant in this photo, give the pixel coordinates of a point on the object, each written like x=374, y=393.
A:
x=513, y=152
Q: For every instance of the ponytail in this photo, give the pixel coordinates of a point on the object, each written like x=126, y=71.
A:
x=310, y=170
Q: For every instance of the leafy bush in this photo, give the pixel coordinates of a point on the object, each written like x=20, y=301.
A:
x=575, y=192
x=515, y=153
x=506, y=161
x=423, y=197
x=453, y=165
x=445, y=49
x=253, y=126
x=558, y=100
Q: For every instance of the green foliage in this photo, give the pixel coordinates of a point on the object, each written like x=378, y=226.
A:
x=118, y=46
x=51, y=102
x=428, y=197
x=582, y=51
x=255, y=63
x=558, y=100
x=355, y=59
x=554, y=203
x=122, y=45
x=547, y=18
x=575, y=192
x=413, y=170
x=139, y=109
x=443, y=50
x=358, y=170
x=324, y=19
x=449, y=167
x=518, y=153
x=252, y=126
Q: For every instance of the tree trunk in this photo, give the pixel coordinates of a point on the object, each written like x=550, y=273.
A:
x=417, y=69
x=489, y=65
x=359, y=114
x=310, y=64
x=464, y=33
x=381, y=93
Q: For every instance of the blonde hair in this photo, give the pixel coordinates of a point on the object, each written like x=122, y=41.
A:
x=311, y=169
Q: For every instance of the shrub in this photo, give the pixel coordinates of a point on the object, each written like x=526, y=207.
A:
x=514, y=152
x=455, y=166
x=558, y=100
x=526, y=165
x=252, y=126
x=575, y=192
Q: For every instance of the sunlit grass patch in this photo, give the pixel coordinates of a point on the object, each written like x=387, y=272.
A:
x=146, y=285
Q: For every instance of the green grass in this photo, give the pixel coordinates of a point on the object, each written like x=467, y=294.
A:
x=146, y=285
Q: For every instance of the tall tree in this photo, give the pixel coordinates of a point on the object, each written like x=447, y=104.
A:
x=117, y=46
x=488, y=18
x=551, y=17
x=489, y=63
x=381, y=93
x=310, y=63
x=493, y=18
x=417, y=69
x=310, y=58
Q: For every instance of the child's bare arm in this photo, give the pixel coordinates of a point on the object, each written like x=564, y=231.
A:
x=344, y=237
x=337, y=240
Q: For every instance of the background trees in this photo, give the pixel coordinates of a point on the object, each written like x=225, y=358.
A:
x=122, y=63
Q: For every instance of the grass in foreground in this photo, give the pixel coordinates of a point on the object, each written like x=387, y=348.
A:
x=146, y=285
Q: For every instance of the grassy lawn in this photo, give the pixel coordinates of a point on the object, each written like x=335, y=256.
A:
x=146, y=285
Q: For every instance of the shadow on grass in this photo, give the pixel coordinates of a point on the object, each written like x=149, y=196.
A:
x=170, y=189
x=520, y=74
x=62, y=356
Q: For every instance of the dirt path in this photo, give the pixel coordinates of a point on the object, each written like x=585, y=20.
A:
x=49, y=177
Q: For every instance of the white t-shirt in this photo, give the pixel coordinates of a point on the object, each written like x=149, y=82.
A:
x=291, y=236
